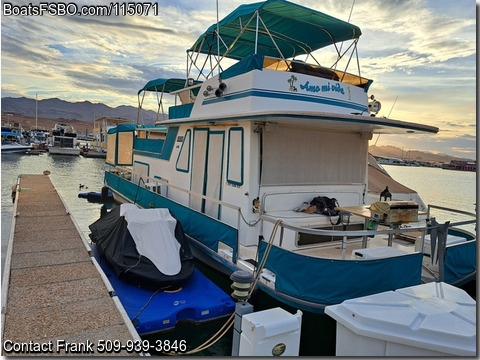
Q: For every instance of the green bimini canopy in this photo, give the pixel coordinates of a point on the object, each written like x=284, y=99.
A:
x=166, y=85
x=295, y=29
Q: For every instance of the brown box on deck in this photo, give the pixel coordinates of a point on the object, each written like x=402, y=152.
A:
x=393, y=212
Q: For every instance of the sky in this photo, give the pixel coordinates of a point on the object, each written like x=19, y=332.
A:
x=420, y=54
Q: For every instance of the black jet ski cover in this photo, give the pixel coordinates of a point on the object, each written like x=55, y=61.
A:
x=115, y=244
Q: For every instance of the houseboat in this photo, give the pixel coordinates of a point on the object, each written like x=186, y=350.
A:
x=251, y=146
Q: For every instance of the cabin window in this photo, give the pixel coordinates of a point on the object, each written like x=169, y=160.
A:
x=125, y=148
x=183, y=160
x=141, y=171
x=111, y=148
x=305, y=156
x=235, y=156
x=120, y=148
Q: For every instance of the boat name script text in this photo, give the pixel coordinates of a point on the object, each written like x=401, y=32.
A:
x=72, y=9
x=324, y=88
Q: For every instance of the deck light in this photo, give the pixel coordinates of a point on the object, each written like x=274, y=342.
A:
x=374, y=106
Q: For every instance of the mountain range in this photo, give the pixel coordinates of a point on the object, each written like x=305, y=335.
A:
x=64, y=110
x=86, y=112
x=416, y=155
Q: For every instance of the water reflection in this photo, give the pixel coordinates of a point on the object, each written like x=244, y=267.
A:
x=67, y=172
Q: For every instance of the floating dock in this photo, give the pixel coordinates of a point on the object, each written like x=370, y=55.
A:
x=54, y=299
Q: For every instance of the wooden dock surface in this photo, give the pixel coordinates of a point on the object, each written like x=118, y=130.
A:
x=54, y=301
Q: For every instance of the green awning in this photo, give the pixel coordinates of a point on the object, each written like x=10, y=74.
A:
x=166, y=85
x=122, y=128
x=296, y=30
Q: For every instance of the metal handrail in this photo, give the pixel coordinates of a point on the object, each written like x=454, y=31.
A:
x=351, y=233
x=163, y=182
x=359, y=233
x=448, y=209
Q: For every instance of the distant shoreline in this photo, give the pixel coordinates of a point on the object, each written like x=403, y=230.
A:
x=29, y=123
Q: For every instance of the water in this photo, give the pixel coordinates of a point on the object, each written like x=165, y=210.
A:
x=436, y=186
x=67, y=173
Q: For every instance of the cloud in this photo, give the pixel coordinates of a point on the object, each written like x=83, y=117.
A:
x=419, y=52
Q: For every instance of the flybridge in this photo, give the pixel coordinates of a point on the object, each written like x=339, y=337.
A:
x=274, y=28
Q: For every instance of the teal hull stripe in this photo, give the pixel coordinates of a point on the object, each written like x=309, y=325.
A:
x=460, y=262
x=287, y=96
x=317, y=280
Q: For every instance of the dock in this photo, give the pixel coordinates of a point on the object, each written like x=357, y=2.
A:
x=55, y=301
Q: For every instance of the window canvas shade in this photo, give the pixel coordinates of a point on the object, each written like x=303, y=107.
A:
x=111, y=148
x=312, y=156
x=125, y=148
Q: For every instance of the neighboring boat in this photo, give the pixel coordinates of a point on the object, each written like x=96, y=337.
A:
x=63, y=140
x=148, y=262
x=13, y=141
x=242, y=153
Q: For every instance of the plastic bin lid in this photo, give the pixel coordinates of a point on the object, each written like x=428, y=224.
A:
x=435, y=316
x=270, y=323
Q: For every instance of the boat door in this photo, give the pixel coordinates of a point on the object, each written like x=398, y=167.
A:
x=207, y=170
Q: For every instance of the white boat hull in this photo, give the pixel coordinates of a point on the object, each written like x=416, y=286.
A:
x=15, y=148
x=64, y=151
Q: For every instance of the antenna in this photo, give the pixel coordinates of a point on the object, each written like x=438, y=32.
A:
x=392, y=106
x=351, y=10
x=36, y=110
x=349, y=17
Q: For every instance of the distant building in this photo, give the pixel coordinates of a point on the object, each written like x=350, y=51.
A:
x=100, y=129
x=462, y=165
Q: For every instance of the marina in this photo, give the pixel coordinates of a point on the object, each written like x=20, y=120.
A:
x=257, y=171
x=67, y=172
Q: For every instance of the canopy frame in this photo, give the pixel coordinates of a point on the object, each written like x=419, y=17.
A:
x=211, y=41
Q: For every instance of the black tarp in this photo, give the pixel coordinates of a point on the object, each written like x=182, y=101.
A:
x=116, y=245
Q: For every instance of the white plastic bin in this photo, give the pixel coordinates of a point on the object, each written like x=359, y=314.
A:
x=270, y=332
x=434, y=319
